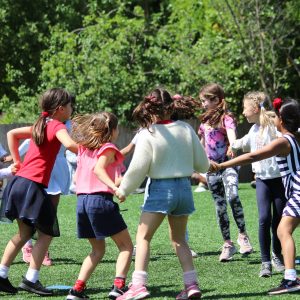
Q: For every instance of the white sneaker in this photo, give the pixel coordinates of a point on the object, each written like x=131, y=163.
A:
x=200, y=189
x=194, y=254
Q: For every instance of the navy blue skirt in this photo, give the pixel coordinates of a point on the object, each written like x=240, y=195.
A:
x=27, y=200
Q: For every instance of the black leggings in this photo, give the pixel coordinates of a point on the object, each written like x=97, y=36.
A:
x=270, y=202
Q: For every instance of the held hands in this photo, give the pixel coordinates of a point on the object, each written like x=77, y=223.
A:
x=15, y=167
x=214, y=167
x=120, y=196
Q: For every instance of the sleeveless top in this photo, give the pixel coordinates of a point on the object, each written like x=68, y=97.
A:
x=289, y=168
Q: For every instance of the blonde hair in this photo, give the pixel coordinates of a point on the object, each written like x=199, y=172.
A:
x=93, y=130
x=261, y=101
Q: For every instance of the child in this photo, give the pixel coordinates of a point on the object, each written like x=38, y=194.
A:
x=25, y=198
x=59, y=183
x=97, y=176
x=269, y=187
x=168, y=191
x=217, y=133
x=287, y=151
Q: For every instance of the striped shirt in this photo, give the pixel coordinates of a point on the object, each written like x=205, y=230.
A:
x=289, y=168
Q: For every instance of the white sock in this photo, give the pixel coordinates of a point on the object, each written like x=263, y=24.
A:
x=32, y=275
x=290, y=274
x=139, y=278
x=4, y=271
x=28, y=243
x=190, y=277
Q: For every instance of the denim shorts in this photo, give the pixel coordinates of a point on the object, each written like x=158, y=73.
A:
x=170, y=196
x=98, y=216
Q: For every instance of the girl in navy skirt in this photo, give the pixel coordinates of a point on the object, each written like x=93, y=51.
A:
x=25, y=198
x=98, y=174
x=287, y=152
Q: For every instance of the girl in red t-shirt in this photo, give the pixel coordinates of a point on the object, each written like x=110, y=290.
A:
x=25, y=198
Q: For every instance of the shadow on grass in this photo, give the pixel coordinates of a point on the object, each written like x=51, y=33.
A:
x=236, y=295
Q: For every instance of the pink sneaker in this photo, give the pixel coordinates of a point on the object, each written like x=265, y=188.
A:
x=135, y=292
x=26, y=250
x=191, y=292
x=47, y=260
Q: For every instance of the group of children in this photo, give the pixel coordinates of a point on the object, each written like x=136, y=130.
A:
x=168, y=190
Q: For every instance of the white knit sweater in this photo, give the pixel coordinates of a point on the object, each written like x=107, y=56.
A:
x=165, y=151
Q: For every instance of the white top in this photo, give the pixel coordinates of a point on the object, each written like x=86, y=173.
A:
x=164, y=151
x=254, y=140
x=5, y=172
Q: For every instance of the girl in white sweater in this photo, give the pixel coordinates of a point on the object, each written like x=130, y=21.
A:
x=167, y=152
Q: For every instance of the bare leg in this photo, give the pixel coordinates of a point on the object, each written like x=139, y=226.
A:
x=285, y=230
x=177, y=227
x=39, y=250
x=125, y=246
x=14, y=246
x=91, y=261
x=149, y=222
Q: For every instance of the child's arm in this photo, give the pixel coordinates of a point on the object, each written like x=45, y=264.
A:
x=231, y=135
x=280, y=146
x=103, y=161
x=128, y=149
x=13, y=137
x=241, y=144
x=9, y=171
x=64, y=137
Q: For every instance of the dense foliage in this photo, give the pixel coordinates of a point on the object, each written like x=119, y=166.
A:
x=112, y=52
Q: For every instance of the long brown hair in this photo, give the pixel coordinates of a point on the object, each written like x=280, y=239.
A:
x=50, y=101
x=215, y=117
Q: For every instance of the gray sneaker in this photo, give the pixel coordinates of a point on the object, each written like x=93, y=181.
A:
x=265, y=270
x=277, y=262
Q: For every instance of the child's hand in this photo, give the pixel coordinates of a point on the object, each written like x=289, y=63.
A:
x=15, y=167
x=213, y=166
x=120, y=196
x=230, y=152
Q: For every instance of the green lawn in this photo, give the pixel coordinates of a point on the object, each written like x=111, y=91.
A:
x=237, y=279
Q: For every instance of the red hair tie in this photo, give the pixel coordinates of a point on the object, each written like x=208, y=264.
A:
x=277, y=102
x=45, y=114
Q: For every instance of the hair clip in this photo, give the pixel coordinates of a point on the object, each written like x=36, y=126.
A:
x=45, y=114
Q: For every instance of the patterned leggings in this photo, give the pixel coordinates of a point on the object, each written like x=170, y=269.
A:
x=224, y=187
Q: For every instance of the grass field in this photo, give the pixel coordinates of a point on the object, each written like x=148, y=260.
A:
x=237, y=279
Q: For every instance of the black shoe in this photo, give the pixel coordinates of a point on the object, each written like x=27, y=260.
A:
x=115, y=292
x=6, y=286
x=75, y=295
x=286, y=286
x=36, y=288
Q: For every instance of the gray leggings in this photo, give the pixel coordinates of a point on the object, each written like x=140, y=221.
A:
x=224, y=187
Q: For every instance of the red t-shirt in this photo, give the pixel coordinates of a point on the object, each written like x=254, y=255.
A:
x=39, y=160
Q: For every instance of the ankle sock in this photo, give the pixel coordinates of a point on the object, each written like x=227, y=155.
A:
x=290, y=274
x=28, y=243
x=79, y=285
x=139, y=278
x=190, y=277
x=119, y=282
x=4, y=271
x=32, y=275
